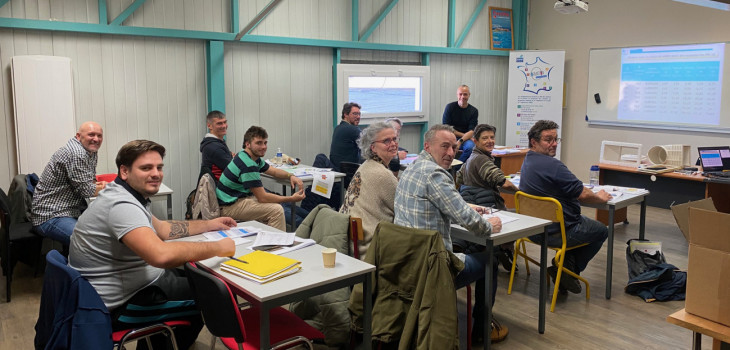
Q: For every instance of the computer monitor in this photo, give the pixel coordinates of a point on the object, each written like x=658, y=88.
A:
x=714, y=158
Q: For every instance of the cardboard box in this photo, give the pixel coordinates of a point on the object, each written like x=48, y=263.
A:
x=708, y=273
x=681, y=213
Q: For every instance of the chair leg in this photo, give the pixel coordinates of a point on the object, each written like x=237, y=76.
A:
x=524, y=255
x=468, y=317
x=514, y=264
x=8, y=272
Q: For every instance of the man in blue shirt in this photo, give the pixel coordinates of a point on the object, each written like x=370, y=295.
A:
x=543, y=175
x=464, y=118
x=344, y=139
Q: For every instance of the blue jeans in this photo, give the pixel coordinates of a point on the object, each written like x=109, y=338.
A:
x=57, y=229
x=474, y=269
x=467, y=147
x=586, y=231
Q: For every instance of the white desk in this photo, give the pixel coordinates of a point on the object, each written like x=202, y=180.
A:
x=312, y=280
x=165, y=193
x=525, y=226
x=307, y=180
x=618, y=203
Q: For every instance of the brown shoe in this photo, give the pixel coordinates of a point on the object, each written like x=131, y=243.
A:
x=499, y=332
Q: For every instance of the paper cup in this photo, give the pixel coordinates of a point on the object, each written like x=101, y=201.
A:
x=328, y=257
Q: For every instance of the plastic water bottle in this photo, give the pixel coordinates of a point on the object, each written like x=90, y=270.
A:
x=594, y=175
x=278, y=159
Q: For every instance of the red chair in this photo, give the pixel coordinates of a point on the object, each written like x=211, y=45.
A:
x=135, y=334
x=239, y=328
x=106, y=177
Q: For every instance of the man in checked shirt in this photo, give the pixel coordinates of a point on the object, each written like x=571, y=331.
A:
x=68, y=179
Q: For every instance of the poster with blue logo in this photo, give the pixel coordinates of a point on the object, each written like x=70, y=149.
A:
x=500, y=25
x=535, y=92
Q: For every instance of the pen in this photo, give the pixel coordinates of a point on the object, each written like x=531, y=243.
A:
x=239, y=260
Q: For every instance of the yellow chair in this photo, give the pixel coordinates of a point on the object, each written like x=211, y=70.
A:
x=549, y=209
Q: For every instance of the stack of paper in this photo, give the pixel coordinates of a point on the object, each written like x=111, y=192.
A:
x=262, y=267
x=502, y=217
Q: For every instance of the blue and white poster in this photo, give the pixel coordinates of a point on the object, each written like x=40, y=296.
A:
x=500, y=24
x=535, y=92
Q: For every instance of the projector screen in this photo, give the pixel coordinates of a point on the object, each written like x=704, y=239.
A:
x=681, y=87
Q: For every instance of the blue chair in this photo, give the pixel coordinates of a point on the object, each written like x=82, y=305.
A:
x=73, y=316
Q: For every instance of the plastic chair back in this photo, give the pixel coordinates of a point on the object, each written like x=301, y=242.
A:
x=216, y=303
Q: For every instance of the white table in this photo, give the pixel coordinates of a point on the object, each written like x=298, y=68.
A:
x=312, y=280
x=620, y=202
x=165, y=193
x=525, y=226
x=307, y=180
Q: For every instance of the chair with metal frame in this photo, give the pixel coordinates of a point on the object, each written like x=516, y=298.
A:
x=66, y=294
x=549, y=209
x=239, y=328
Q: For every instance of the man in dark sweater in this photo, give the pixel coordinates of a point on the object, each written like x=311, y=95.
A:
x=344, y=138
x=216, y=154
x=543, y=175
x=464, y=118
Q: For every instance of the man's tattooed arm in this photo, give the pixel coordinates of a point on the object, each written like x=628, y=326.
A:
x=179, y=229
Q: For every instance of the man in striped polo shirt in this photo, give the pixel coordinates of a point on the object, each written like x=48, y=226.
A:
x=240, y=192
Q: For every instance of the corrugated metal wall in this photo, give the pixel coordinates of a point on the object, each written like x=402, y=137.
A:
x=155, y=88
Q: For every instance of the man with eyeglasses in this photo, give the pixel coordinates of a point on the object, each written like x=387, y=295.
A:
x=543, y=175
x=344, y=138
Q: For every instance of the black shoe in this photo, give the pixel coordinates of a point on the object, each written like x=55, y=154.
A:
x=567, y=282
x=505, y=258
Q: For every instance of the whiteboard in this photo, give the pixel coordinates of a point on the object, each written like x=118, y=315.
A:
x=44, y=108
x=678, y=87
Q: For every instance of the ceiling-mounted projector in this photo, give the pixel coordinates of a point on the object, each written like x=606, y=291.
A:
x=567, y=7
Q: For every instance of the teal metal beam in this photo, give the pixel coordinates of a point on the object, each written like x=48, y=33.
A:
x=102, y=12
x=258, y=18
x=425, y=59
x=355, y=20
x=451, y=23
x=469, y=24
x=126, y=13
x=336, y=59
x=519, y=15
x=375, y=24
x=215, y=76
x=3, y=2
x=234, y=17
x=59, y=26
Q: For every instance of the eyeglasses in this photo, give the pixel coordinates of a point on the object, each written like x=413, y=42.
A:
x=387, y=142
x=551, y=140
x=355, y=113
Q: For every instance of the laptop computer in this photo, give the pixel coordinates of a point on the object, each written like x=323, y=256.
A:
x=715, y=160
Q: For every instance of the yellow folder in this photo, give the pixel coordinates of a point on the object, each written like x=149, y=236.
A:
x=261, y=265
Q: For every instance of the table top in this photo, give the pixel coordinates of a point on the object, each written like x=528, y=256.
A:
x=305, y=179
x=524, y=226
x=700, y=325
x=313, y=273
x=675, y=175
x=520, y=153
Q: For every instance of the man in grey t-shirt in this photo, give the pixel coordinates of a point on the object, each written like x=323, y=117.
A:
x=121, y=248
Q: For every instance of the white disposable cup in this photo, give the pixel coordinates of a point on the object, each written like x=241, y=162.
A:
x=328, y=257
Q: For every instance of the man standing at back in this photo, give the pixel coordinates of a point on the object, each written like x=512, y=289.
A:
x=213, y=148
x=241, y=193
x=68, y=179
x=464, y=118
x=543, y=175
x=125, y=252
x=344, y=139
x=426, y=198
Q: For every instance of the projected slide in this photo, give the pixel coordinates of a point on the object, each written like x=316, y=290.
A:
x=672, y=84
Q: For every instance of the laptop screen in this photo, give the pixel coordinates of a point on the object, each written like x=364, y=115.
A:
x=715, y=158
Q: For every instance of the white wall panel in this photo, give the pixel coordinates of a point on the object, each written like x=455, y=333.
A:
x=134, y=87
x=284, y=89
x=315, y=19
x=487, y=80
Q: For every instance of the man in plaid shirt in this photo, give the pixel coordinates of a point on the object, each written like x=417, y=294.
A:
x=68, y=179
x=426, y=198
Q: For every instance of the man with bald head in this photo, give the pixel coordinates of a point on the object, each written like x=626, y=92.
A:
x=68, y=179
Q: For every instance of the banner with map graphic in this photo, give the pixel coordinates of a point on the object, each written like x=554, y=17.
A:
x=535, y=92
